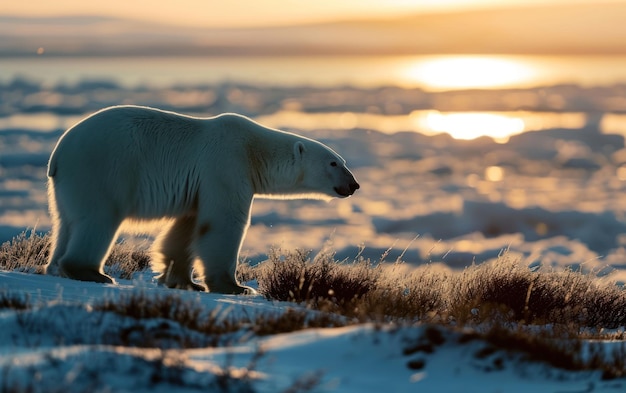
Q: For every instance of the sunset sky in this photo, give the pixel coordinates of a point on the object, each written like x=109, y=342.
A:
x=238, y=13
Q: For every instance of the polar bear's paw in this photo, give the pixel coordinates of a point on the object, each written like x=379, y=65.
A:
x=186, y=284
x=231, y=288
x=190, y=286
x=77, y=271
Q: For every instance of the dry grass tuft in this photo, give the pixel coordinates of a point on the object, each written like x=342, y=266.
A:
x=503, y=291
x=14, y=301
x=294, y=277
x=547, y=346
x=28, y=252
x=216, y=324
x=507, y=290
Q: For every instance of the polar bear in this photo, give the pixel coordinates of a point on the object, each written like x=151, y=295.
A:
x=131, y=163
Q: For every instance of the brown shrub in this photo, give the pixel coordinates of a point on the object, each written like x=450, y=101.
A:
x=28, y=252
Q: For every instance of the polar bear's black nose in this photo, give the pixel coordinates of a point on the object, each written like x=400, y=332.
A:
x=348, y=189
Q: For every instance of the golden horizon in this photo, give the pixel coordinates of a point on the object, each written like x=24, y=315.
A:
x=251, y=13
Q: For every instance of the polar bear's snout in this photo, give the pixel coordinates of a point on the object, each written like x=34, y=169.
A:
x=348, y=189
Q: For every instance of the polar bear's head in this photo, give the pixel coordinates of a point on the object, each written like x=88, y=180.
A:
x=322, y=172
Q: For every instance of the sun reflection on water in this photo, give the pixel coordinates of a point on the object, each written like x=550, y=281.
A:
x=472, y=125
x=465, y=72
x=499, y=126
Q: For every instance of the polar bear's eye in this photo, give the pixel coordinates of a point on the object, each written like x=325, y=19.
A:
x=334, y=163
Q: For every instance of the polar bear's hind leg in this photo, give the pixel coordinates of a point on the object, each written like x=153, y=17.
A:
x=60, y=237
x=173, y=257
x=88, y=246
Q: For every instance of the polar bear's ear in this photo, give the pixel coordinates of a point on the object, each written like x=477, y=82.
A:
x=298, y=150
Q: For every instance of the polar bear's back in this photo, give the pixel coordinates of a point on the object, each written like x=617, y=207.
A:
x=137, y=129
x=143, y=159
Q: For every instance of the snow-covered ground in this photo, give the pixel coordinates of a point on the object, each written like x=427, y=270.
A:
x=551, y=196
x=62, y=344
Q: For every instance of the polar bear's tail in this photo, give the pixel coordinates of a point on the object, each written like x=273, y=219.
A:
x=52, y=166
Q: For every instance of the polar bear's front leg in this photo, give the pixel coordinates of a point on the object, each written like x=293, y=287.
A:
x=217, y=245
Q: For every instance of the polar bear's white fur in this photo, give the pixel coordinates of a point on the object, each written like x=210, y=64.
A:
x=136, y=163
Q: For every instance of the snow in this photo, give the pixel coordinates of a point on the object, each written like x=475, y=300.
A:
x=63, y=344
x=552, y=195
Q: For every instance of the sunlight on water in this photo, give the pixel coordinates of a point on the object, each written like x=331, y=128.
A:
x=460, y=125
x=462, y=72
x=473, y=125
x=613, y=123
x=38, y=121
x=494, y=173
x=428, y=72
